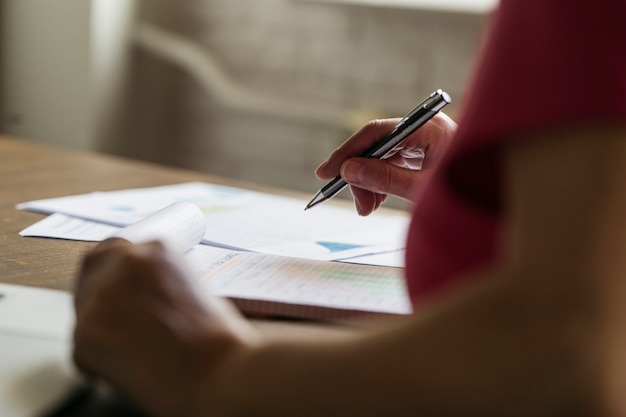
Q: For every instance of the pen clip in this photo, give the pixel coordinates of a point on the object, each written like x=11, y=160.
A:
x=435, y=102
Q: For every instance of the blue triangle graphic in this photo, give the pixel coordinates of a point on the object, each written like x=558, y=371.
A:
x=338, y=246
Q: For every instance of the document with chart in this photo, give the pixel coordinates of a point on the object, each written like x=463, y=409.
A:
x=236, y=219
x=273, y=285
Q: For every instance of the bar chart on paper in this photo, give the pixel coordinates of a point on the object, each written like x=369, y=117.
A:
x=262, y=279
x=242, y=220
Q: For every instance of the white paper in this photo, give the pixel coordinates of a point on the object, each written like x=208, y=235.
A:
x=180, y=225
x=393, y=259
x=245, y=220
x=60, y=226
x=281, y=279
x=35, y=344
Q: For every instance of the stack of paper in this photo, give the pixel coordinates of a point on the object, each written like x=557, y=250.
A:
x=263, y=252
x=236, y=219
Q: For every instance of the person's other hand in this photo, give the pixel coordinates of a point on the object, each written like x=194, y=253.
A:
x=371, y=179
x=148, y=329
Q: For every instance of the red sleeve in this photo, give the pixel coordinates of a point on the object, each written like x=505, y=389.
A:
x=545, y=64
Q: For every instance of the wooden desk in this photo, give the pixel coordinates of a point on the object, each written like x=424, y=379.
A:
x=30, y=171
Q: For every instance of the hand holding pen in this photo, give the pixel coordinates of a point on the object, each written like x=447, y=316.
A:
x=376, y=167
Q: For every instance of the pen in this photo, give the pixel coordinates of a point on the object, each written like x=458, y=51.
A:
x=416, y=118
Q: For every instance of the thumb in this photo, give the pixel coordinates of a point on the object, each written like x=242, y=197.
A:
x=379, y=176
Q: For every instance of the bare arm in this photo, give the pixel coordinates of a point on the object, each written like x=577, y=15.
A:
x=541, y=335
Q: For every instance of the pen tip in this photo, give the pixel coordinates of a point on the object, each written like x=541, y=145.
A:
x=316, y=200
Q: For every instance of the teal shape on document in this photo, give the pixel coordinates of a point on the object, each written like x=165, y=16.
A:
x=338, y=246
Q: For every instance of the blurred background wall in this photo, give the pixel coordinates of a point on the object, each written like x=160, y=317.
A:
x=62, y=66
x=259, y=90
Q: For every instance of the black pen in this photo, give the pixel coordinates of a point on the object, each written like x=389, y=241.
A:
x=422, y=113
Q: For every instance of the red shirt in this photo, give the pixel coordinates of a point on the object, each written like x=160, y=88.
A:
x=545, y=63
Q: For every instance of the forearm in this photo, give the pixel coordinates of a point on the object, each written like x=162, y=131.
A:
x=542, y=336
x=486, y=353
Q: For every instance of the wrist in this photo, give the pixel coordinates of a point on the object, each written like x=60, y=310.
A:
x=216, y=392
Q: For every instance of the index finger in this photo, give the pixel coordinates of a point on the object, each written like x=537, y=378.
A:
x=356, y=145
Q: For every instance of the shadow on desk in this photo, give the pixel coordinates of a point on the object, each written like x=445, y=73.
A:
x=86, y=401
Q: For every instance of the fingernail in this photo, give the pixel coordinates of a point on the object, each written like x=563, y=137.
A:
x=357, y=204
x=352, y=171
